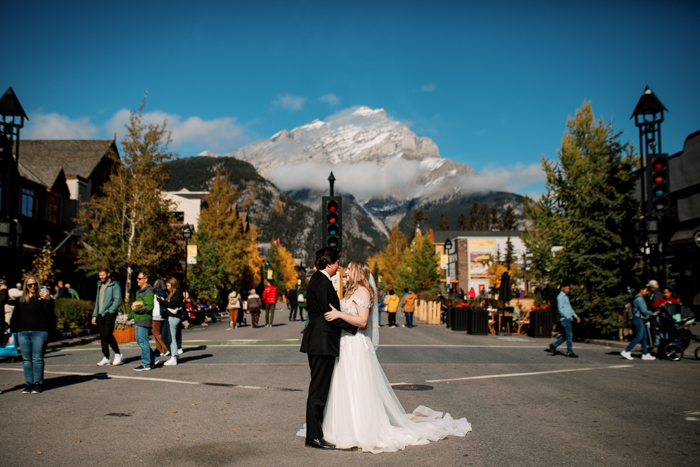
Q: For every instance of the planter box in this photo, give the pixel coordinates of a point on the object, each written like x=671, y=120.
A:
x=125, y=334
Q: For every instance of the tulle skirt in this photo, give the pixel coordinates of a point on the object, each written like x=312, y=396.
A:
x=363, y=411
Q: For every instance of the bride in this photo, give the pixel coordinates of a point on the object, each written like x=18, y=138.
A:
x=362, y=409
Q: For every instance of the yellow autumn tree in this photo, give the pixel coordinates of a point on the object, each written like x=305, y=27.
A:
x=391, y=257
x=288, y=266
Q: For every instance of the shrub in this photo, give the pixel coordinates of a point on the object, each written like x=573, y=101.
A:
x=73, y=315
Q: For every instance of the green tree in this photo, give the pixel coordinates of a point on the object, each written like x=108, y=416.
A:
x=461, y=223
x=419, y=268
x=508, y=220
x=443, y=224
x=205, y=277
x=129, y=224
x=495, y=220
x=588, y=209
x=277, y=266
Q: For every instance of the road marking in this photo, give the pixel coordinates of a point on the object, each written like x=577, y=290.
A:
x=527, y=374
x=466, y=346
x=158, y=380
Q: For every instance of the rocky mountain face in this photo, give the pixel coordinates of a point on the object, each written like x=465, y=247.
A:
x=382, y=169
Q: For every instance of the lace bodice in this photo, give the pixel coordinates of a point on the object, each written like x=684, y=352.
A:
x=349, y=305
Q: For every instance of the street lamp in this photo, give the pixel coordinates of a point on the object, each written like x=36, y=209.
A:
x=187, y=234
x=448, y=284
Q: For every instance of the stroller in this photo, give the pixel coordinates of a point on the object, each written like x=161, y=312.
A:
x=672, y=327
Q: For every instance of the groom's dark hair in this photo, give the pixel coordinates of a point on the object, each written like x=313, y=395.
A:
x=326, y=256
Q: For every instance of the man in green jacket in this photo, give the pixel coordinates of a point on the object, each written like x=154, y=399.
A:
x=142, y=314
x=109, y=297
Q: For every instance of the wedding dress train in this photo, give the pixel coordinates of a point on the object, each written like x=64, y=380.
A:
x=363, y=411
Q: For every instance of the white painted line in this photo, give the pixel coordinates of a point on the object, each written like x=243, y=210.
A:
x=527, y=374
x=467, y=346
x=108, y=376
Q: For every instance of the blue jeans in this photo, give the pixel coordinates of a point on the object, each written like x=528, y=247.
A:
x=33, y=345
x=640, y=334
x=409, y=319
x=172, y=324
x=142, y=340
x=566, y=323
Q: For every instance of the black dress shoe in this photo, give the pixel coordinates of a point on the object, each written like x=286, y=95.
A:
x=572, y=355
x=552, y=349
x=318, y=443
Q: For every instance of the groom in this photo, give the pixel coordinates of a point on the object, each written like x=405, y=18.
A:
x=321, y=342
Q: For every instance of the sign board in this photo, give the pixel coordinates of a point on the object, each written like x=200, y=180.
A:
x=480, y=258
x=191, y=254
x=444, y=259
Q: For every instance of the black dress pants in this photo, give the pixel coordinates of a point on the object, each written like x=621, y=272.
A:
x=105, y=326
x=321, y=372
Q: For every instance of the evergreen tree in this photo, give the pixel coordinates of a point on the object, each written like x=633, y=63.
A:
x=129, y=224
x=442, y=225
x=419, y=268
x=461, y=223
x=588, y=208
x=495, y=221
x=473, y=216
x=510, y=255
x=508, y=220
x=205, y=277
x=282, y=265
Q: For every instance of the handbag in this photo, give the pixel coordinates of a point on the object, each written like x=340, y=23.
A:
x=9, y=345
x=156, y=310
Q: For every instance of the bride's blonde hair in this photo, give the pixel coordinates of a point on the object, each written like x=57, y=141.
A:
x=358, y=275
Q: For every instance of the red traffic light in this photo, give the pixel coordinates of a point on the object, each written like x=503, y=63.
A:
x=658, y=166
x=332, y=206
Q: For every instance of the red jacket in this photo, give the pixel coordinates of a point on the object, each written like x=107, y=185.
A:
x=269, y=294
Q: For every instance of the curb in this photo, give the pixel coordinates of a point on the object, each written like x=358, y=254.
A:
x=614, y=344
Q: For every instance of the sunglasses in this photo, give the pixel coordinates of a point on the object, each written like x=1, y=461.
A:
x=33, y=284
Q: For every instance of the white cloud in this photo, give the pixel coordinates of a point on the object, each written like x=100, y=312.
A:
x=55, y=126
x=429, y=87
x=219, y=134
x=513, y=179
x=290, y=102
x=330, y=99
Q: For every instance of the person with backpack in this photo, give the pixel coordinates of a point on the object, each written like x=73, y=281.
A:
x=639, y=314
x=254, y=306
x=301, y=303
x=567, y=315
x=234, y=307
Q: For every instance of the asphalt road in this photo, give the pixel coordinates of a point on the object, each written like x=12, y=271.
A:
x=238, y=398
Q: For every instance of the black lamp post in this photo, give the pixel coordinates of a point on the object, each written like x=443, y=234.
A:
x=187, y=234
x=11, y=121
x=448, y=285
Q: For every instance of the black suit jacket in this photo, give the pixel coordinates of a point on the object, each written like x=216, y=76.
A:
x=322, y=337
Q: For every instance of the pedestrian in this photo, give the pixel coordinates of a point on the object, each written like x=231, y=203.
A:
x=381, y=295
x=657, y=305
x=472, y=293
x=392, y=304
x=292, y=303
x=400, y=309
x=3, y=301
x=109, y=297
x=61, y=290
x=32, y=320
x=172, y=308
x=160, y=330
x=141, y=313
x=233, y=307
x=72, y=293
x=269, y=298
x=409, y=306
x=301, y=303
x=640, y=313
x=254, y=306
x=13, y=296
x=655, y=293
x=567, y=314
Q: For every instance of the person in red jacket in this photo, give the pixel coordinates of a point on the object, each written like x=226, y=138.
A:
x=269, y=298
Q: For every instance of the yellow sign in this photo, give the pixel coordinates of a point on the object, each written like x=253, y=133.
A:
x=480, y=258
x=269, y=274
x=444, y=259
x=191, y=254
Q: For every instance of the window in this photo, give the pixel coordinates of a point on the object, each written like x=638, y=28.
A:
x=28, y=201
x=53, y=209
x=178, y=217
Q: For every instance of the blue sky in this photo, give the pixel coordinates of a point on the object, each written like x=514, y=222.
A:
x=492, y=84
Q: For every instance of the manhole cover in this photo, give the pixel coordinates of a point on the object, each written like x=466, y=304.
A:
x=412, y=387
x=114, y=414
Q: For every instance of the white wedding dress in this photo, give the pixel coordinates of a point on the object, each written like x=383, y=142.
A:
x=362, y=409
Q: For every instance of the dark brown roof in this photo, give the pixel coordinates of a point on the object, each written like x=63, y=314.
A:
x=46, y=158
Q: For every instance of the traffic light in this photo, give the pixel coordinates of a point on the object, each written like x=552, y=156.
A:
x=659, y=197
x=332, y=212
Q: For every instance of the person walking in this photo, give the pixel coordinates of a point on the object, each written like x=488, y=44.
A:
x=654, y=292
x=3, y=301
x=72, y=293
x=32, y=320
x=392, y=304
x=13, y=296
x=233, y=307
x=61, y=290
x=292, y=303
x=160, y=330
x=269, y=298
x=254, y=306
x=472, y=293
x=409, y=306
x=381, y=295
x=405, y=292
x=567, y=314
x=141, y=313
x=109, y=297
x=172, y=308
x=301, y=303
x=640, y=313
